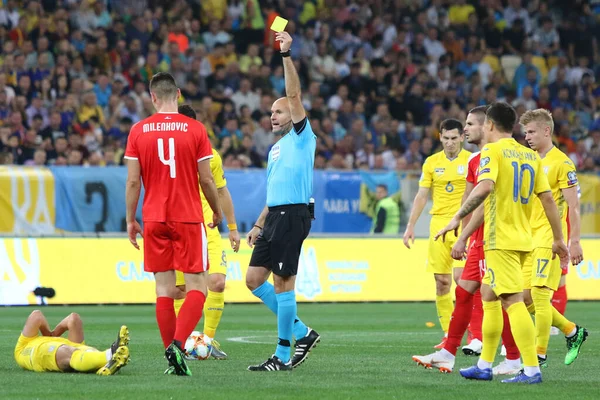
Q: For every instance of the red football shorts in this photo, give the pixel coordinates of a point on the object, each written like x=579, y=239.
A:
x=475, y=265
x=175, y=246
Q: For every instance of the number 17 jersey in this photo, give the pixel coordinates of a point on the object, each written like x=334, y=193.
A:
x=517, y=175
x=168, y=147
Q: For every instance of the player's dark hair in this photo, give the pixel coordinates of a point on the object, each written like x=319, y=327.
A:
x=163, y=86
x=450, y=124
x=502, y=115
x=479, y=112
x=187, y=110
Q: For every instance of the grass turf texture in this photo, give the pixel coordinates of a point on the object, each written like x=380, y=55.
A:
x=365, y=353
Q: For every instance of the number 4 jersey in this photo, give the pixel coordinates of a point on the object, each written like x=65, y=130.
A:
x=518, y=176
x=168, y=147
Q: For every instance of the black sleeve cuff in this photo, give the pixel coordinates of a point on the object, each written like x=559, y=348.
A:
x=299, y=126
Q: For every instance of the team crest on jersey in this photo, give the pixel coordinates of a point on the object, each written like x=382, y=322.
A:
x=439, y=171
x=484, y=161
x=275, y=153
x=571, y=178
x=461, y=169
x=546, y=170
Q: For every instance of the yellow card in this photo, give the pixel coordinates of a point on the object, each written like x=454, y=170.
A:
x=279, y=24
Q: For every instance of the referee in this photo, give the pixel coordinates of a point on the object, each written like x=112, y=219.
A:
x=281, y=228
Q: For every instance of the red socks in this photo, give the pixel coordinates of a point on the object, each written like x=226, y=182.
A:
x=477, y=317
x=512, y=351
x=559, y=300
x=165, y=317
x=460, y=319
x=189, y=315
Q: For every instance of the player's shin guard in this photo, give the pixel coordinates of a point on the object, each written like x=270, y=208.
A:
x=523, y=332
x=460, y=319
x=491, y=329
x=177, y=303
x=213, y=310
x=512, y=351
x=165, y=317
x=543, y=317
x=558, y=320
x=286, y=312
x=266, y=292
x=559, y=300
x=444, y=305
x=190, y=314
x=477, y=316
x=87, y=360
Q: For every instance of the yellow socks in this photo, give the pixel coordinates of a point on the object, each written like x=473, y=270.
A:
x=543, y=317
x=523, y=332
x=558, y=320
x=531, y=307
x=444, y=307
x=87, y=360
x=491, y=329
x=213, y=310
x=177, y=303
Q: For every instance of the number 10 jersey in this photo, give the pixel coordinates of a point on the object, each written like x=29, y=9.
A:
x=517, y=175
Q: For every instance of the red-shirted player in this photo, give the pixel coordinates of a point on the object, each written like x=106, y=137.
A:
x=168, y=151
x=468, y=308
x=560, y=299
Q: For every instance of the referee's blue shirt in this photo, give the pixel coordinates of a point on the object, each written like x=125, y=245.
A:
x=290, y=167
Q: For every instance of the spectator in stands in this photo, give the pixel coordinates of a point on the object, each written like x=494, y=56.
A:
x=83, y=68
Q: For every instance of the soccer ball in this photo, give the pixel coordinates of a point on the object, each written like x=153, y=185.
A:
x=196, y=348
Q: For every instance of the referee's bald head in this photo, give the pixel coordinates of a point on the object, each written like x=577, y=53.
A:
x=281, y=116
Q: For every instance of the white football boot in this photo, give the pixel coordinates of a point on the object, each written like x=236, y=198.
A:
x=473, y=348
x=435, y=360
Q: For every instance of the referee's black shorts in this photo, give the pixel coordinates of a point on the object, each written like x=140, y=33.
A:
x=278, y=246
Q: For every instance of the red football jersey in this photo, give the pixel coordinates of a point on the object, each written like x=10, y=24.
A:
x=477, y=236
x=168, y=147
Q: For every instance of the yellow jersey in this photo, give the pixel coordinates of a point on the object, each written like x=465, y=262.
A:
x=517, y=175
x=561, y=174
x=37, y=353
x=447, y=180
x=216, y=167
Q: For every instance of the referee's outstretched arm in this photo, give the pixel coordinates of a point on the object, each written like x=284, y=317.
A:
x=292, y=81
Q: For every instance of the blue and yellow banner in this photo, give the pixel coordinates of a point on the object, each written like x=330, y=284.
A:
x=590, y=203
x=79, y=199
x=110, y=271
x=26, y=201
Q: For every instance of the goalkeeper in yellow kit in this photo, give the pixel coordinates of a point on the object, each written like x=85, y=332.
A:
x=40, y=349
x=215, y=300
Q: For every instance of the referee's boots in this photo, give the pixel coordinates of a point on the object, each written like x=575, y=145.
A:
x=304, y=346
x=272, y=364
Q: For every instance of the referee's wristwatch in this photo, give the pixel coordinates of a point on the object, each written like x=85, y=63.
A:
x=286, y=53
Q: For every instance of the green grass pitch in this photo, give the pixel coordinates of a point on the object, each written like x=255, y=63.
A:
x=365, y=353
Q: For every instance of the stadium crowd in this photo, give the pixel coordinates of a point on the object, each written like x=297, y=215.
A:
x=377, y=75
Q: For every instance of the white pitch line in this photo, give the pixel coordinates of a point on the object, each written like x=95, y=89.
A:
x=268, y=339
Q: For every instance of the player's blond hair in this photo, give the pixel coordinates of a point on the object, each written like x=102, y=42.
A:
x=539, y=115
